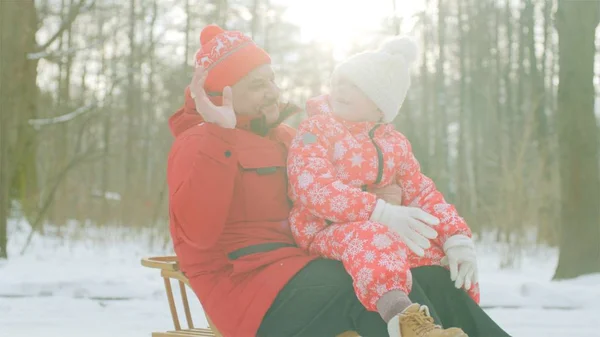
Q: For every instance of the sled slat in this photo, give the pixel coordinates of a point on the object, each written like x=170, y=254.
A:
x=202, y=331
x=186, y=305
x=188, y=333
x=172, y=303
x=185, y=333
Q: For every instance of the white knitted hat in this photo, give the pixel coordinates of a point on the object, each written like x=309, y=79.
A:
x=383, y=75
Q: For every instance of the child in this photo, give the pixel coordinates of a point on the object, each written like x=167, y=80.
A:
x=344, y=149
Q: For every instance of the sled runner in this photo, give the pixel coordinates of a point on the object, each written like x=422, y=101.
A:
x=169, y=270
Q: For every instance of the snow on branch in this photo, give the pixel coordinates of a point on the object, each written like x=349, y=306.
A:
x=38, y=123
x=38, y=55
x=54, y=54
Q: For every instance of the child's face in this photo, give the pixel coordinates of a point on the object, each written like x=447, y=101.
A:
x=351, y=104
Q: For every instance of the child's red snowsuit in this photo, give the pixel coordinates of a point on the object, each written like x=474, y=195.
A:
x=331, y=165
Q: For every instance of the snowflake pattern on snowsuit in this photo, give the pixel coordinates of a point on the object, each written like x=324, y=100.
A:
x=332, y=164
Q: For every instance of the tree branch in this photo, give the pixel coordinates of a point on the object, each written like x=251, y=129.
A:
x=39, y=122
x=67, y=23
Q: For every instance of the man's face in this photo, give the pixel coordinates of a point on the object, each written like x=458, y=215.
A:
x=257, y=94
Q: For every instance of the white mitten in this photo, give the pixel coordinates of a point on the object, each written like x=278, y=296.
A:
x=462, y=260
x=411, y=223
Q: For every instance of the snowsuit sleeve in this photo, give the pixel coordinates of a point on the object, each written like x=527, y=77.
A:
x=201, y=173
x=313, y=180
x=420, y=191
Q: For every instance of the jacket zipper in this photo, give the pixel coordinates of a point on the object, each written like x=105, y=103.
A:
x=379, y=154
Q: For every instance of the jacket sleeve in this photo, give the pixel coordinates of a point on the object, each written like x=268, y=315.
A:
x=420, y=191
x=313, y=180
x=201, y=173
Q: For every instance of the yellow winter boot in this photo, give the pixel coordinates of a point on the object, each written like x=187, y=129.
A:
x=415, y=321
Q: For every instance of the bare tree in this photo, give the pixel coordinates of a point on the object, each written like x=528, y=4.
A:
x=18, y=98
x=578, y=139
x=441, y=116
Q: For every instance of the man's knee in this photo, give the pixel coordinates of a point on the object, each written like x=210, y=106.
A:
x=437, y=272
x=436, y=282
x=432, y=277
x=332, y=272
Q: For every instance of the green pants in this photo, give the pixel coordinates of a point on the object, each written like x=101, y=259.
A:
x=320, y=302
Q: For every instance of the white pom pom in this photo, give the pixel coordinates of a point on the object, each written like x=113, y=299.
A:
x=403, y=46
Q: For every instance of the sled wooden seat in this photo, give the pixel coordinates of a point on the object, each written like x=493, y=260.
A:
x=169, y=269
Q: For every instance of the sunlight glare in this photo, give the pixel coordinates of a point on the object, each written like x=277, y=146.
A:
x=339, y=23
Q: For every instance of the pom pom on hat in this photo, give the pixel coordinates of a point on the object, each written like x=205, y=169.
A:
x=401, y=46
x=383, y=75
x=209, y=32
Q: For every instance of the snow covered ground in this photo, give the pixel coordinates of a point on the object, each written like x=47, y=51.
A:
x=95, y=286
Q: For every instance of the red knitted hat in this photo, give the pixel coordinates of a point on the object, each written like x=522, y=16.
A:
x=228, y=56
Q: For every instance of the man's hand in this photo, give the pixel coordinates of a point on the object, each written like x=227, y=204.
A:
x=224, y=116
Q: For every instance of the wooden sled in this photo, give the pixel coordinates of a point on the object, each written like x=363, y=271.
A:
x=169, y=269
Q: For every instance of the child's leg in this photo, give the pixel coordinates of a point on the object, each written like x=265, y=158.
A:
x=376, y=259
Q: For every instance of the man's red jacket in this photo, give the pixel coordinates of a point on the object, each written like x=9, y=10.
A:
x=227, y=199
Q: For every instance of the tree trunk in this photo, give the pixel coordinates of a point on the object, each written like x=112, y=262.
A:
x=149, y=119
x=441, y=123
x=18, y=99
x=267, y=27
x=65, y=201
x=477, y=75
x=518, y=127
x=188, y=23
x=4, y=161
x=508, y=85
x=255, y=22
x=222, y=9
x=576, y=22
x=544, y=218
x=461, y=158
x=396, y=20
x=425, y=129
x=500, y=98
x=131, y=133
